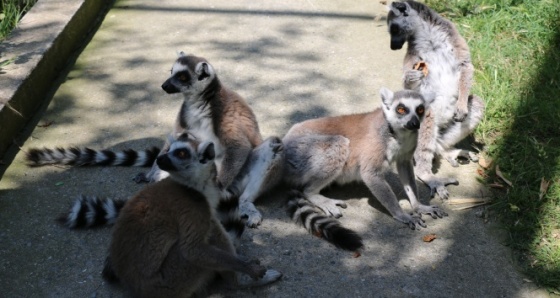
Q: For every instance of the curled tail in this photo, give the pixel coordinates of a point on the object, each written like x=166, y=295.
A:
x=317, y=223
x=90, y=211
x=85, y=156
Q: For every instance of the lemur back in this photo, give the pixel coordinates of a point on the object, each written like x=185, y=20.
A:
x=167, y=241
x=437, y=60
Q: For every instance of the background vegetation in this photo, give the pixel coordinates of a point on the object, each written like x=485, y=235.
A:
x=11, y=11
x=515, y=47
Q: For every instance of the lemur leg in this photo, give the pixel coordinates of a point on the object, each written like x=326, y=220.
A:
x=379, y=187
x=460, y=130
x=313, y=162
x=155, y=174
x=408, y=180
x=262, y=172
x=424, y=156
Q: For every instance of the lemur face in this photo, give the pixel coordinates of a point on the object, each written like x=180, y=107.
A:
x=404, y=109
x=188, y=159
x=189, y=74
x=399, y=21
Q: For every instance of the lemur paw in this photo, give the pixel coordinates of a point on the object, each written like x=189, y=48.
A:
x=329, y=206
x=460, y=115
x=415, y=222
x=431, y=210
x=439, y=186
x=248, y=210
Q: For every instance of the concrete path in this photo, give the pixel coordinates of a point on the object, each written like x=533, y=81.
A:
x=292, y=60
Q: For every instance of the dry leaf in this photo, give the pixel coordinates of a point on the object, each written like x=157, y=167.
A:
x=544, y=187
x=499, y=174
x=383, y=2
x=356, y=254
x=429, y=237
x=485, y=162
x=422, y=66
x=46, y=124
x=481, y=173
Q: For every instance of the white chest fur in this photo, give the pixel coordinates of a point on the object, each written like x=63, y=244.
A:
x=198, y=118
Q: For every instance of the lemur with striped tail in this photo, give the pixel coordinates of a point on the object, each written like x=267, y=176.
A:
x=437, y=60
x=167, y=241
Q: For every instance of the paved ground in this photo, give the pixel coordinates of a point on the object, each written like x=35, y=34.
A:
x=292, y=60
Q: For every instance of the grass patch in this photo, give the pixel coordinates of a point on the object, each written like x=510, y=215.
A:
x=515, y=47
x=11, y=11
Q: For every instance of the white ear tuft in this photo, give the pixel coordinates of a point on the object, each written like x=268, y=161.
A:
x=429, y=97
x=386, y=97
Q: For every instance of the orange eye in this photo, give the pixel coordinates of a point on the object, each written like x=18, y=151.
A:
x=183, y=78
x=182, y=154
x=420, y=110
x=401, y=110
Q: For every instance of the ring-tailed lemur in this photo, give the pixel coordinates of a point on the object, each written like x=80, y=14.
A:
x=454, y=114
x=210, y=111
x=167, y=241
x=361, y=147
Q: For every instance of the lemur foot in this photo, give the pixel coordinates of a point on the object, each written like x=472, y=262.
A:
x=329, y=206
x=432, y=210
x=269, y=276
x=248, y=210
x=415, y=222
x=459, y=156
x=438, y=185
x=152, y=176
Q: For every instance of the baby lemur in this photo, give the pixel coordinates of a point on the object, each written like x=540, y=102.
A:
x=437, y=60
x=167, y=241
x=361, y=147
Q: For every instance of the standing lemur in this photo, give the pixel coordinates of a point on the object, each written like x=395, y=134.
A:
x=167, y=241
x=437, y=60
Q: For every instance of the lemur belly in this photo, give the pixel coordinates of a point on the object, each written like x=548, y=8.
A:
x=199, y=123
x=443, y=79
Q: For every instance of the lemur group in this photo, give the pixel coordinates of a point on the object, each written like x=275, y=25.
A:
x=176, y=235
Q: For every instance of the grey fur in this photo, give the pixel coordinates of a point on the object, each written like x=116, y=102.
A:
x=454, y=114
x=167, y=241
x=361, y=147
x=212, y=112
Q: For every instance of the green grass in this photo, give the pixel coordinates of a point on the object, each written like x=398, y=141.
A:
x=11, y=11
x=515, y=47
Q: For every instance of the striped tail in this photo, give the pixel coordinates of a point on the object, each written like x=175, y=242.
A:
x=317, y=223
x=85, y=156
x=228, y=214
x=90, y=211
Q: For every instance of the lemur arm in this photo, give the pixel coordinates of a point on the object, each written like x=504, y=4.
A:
x=236, y=153
x=379, y=187
x=411, y=78
x=408, y=180
x=465, y=83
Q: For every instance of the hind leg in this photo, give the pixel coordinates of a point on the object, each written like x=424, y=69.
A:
x=424, y=156
x=262, y=172
x=460, y=130
x=313, y=162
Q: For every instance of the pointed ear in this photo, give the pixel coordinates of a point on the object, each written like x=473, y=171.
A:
x=181, y=54
x=386, y=97
x=399, y=8
x=204, y=70
x=206, y=152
